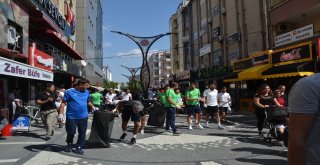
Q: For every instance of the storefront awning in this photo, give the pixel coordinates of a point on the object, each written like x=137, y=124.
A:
x=232, y=77
x=295, y=69
x=254, y=72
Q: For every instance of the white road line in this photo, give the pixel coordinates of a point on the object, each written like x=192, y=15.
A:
x=7, y=143
x=209, y=163
x=8, y=160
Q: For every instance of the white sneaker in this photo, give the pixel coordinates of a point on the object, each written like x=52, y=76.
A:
x=142, y=132
x=190, y=127
x=220, y=127
x=200, y=126
x=207, y=124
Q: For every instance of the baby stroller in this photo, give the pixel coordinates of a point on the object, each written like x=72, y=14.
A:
x=22, y=120
x=277, y=118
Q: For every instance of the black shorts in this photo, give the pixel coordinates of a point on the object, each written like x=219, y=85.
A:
x=212, y=110
x=223, y=109
x=193, y=109
x=127, y=113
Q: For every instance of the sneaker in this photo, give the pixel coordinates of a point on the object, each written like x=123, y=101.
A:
x=142, y=132
x=207, y=124
x=48, y=138
x=52, y=132
x=200, y=126
x=176, y=133
x=220, y=127
x=69, y=147
x=133, y=141
x=166, y=132
x=190, y=127
x=79, y=151
x=123, y=136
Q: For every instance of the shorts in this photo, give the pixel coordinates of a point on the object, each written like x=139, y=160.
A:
x=127, y=113
x=212, y=110
x=192, y=109
x=223, y=109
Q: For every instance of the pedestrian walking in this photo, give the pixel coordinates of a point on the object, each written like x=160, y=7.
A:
x=77, y=100
x=171, y=106
x=263, y=99
x=193, y=108
x=48, y=110
x=96, y=99
x=224, y=99
x=211, y=103
x=304, y=122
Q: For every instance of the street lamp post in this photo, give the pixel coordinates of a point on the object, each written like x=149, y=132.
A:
x=144, y=43
x=133, y=72
x=129, y=78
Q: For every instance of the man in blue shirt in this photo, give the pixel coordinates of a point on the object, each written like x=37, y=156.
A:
x=77, y=100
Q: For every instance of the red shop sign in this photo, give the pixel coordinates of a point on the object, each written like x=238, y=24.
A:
x=40, y=59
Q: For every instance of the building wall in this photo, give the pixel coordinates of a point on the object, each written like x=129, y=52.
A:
x=160, y=69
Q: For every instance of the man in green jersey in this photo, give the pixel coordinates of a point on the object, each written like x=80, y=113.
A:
x=96, y=99
x=171, y=106
x=193, y=106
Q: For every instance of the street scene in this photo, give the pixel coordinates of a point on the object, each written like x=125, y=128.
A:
x=199, y=82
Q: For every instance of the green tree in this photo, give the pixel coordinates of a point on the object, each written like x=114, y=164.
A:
x=111, y=84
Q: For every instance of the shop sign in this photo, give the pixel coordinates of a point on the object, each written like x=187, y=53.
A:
x=17, y=69
x=205, y=50
x=40, y=59
x=261, y=59
x=183, y=75
x=233, y=56
x=301, y=51
x=52, y=11
x=294, y=36
x=242, y=64
x=217, y=57
x=215, y=33
x=233, y=38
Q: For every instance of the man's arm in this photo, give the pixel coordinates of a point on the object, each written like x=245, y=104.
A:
x=61, y=108
x=299, y=128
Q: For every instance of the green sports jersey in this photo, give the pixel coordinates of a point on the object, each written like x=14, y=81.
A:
x=170, y=93
x=193, y=94
x=162, y=97
x=96, y=98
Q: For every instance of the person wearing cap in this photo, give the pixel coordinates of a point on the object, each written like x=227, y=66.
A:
x=77, y=100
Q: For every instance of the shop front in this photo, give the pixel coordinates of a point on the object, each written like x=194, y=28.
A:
x=183, y=79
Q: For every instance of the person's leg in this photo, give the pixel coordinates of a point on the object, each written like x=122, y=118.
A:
x=217, y=116
x=208, y=114
x=142, y=124
x=82, y=130
x=222, y=113
x=51, y=121
x=260, y=114
x=44, y=122
x=190, y=113
x=173, y=120
x=125, y=119
x=71, y=131
x=168, y=117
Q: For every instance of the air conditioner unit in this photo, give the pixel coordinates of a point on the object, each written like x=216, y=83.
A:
x=223, y=11
x=220, y=38
x=284, y=27
x=210, y=20
x=12, y=34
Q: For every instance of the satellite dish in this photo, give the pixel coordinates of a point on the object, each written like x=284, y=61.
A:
x=83, y=63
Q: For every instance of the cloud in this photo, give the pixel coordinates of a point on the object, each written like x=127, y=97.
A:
x=134, y=53
x=107, y=44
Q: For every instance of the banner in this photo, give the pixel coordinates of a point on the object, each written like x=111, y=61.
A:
x=294, y=53
x=17, y=69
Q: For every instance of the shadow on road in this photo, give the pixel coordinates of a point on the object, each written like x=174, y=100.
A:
x=263, y=161
x=229, y=135
x=260, y=151
x=45, y=147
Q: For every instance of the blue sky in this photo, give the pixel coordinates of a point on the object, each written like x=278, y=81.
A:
x=137, y=17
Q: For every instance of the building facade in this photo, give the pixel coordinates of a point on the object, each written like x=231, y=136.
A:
x=89, y=38
x=107, y=75
x=160, y=69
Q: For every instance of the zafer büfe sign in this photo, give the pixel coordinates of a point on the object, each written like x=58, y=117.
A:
x=13, y=68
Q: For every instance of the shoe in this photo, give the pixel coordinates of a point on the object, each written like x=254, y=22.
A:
x=200, y=126
x=176, y=133
x=52, y=132
x=133, y=141
x=142, y=132
x=207, y=124
x=166, y=132
x=220, y=127
x=123, y=136
x=48, y=138
x=190, y=127
x=79, y=151
x=69, y=147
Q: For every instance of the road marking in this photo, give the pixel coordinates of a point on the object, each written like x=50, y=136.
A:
x=53, y=158
x=8, y=143
x=210, y=163
x=8, y=160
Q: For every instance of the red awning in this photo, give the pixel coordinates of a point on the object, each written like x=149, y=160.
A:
x=63, y=44
x=12, y=54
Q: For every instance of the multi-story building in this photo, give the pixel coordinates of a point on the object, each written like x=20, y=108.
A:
x=89, y=38
x=107, y=75
x=160, y=69
x=37, y=46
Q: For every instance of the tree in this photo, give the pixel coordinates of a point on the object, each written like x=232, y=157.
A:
x=111, y=84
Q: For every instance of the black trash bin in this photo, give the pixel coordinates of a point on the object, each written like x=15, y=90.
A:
x=101, y=129
x=157, y=115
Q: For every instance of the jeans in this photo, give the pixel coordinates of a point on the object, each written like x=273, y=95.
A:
x=171, y=118
x=261, y=116
x=71, y=126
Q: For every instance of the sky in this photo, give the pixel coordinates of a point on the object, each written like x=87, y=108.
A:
x=143, y=18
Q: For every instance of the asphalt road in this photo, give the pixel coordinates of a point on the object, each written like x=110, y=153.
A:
x=237, y=144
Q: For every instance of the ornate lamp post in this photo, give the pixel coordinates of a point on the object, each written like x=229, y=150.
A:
x=144, y=43
x=129, y=78
x=133, y=72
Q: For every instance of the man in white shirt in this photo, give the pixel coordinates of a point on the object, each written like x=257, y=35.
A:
x=211, y=104
x=126, y=96
x=224, y=102
x=109, y=99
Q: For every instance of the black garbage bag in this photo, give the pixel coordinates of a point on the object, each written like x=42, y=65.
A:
x=157, y=115
x=101, y=129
